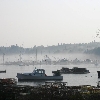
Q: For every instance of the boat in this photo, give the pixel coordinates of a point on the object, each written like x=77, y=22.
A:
x=38, y=74
x=74, y=70
x=98, y=74
x=21, y=64
x=2, y=71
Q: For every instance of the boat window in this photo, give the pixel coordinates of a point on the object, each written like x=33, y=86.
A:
x=40, y=71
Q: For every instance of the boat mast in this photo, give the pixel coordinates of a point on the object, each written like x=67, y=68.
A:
x=36, y=56
x=20, y=56
x=3, y=58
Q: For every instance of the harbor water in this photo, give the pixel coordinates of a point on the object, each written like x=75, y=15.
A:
x=71, y=79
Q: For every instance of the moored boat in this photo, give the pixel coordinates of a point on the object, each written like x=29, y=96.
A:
x=74, y=70
x=38, y=74
x=98, y=74
x=2, y=71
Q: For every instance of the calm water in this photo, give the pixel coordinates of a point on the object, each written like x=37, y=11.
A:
x=72, y=79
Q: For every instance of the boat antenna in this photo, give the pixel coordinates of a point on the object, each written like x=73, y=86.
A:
x=36, y=56
x=20, y=56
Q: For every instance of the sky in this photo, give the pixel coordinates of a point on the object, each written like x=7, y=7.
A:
x=48, y=22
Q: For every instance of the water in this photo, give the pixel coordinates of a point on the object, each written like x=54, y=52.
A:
x=72, y=79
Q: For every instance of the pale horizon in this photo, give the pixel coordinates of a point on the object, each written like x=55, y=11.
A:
x=48, y=22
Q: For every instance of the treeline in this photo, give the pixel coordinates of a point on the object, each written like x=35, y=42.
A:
x=95, y=51
x=92, y=47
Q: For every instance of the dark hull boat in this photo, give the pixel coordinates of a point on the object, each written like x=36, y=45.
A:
x=74, y=70
x=98, y=74
x=2, y=71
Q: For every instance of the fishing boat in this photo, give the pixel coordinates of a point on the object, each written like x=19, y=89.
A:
x=74, y=70
x=38, y=74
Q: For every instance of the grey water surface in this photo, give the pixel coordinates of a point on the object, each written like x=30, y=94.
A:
x=72, y=79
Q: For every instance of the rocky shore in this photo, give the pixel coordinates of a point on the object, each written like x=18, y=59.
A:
x=9, y=90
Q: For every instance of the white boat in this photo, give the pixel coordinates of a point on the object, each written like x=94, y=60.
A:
x=38, y=74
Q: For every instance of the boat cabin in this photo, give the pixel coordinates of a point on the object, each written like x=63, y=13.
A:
x=38, y=72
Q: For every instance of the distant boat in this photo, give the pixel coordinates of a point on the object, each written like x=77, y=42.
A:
x=98, y=74
x=2, y=71
x=21, y=64
x=74, y=70
x=96, y=64
x=38, y=74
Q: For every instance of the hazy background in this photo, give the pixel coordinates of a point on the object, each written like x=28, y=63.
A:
x=48, y=22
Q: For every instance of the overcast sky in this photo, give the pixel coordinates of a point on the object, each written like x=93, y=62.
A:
x=48, y=22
